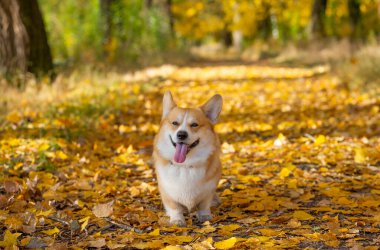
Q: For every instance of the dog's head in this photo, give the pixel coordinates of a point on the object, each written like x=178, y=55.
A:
x=188, y=131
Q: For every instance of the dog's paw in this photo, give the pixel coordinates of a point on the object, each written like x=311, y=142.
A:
x=180, y=223
x=204, y=217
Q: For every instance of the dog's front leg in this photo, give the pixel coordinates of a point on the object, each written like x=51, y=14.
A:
x=175, y=211
x=204, y=212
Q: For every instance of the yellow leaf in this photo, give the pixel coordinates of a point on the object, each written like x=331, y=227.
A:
x=301, y=215
x=155, y=232
x=149, y=245
x=320, y=140
x=229, y=228
x=225, y=244
x=375, y=191
x=292, y=183
x=45, y=213
x=294, y=223
x=60, y=155
x=263, y=238
x=284, y=173
x=205, y=230
x=25, y=241
x=171, y=248
x=175, y=240
x=227, y=192
x=343, y=201
x=280, y=141
x=255, y=206
x=134, y=191
x=268, y=232
x=130, y=149
x=51, y=231
x=14, y=117
x=44, y=146
x=9, y=239
x=85, y=222
x=359, y=155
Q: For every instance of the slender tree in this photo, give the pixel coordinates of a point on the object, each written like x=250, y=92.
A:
x=318, y=14
x=355, y=19
x=170, y=16
x=106, y=25
x=23, y=40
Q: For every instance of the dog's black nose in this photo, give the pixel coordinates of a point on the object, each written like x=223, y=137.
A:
x=182, y=135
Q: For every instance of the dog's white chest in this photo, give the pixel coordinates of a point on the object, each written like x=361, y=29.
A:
x=184, y=184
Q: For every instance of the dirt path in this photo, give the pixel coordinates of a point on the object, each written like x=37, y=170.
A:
x=301, y=159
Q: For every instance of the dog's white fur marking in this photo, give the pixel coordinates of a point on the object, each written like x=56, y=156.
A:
x=182, y=184
x=174, y=214
x=183, y=125
x=180, y=180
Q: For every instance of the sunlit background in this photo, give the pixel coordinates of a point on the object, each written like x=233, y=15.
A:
x=132, y=30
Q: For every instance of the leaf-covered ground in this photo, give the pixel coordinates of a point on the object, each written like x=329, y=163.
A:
x=301, y=163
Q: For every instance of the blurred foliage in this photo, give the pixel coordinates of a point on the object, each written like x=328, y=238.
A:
x=75, y=30
x=289, y=19
x=141, y=29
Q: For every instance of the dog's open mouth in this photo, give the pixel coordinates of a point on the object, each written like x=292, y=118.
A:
x=182, y=149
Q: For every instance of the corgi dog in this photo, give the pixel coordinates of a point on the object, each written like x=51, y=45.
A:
x=186, y=156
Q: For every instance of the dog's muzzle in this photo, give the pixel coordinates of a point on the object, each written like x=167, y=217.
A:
x=192, y=145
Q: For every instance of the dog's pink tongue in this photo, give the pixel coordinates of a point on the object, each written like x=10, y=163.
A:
x=180, y=152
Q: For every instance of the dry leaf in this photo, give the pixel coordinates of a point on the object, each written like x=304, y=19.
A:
x=103, y=210
x=9, y=239
x=225, y=244
x=301, y=215
x=98, y=243
x=51, y=231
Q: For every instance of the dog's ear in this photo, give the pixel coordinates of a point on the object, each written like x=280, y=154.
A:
x=213, y=107
x=167, y=104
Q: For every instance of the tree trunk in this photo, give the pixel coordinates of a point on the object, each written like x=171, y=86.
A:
x=265, y=25
x=23, y=40
x=227, y=38
x=170, y=16
x=106, y=25
x=355, y=19
x=14, y=40
x=317, y=26
x=148, y=3
x=39, y=58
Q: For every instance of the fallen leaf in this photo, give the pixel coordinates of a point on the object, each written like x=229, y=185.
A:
x=172, y=248
x=360, y=156
x=51, y=231
x=149, y=245
x=9, y=239
x=301, y=215
x=103, y=210
x=98, y=243
x=320, y=140
x=11, y=186
x=155, y=232
x=226, y=244
x=84, y=223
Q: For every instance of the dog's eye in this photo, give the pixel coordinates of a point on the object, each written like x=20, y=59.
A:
x=175, y=123
x=194, y=125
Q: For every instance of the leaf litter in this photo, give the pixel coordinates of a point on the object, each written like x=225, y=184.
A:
x=301, y=164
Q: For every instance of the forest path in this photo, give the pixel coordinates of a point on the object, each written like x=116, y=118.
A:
x=301, y=163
